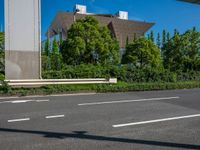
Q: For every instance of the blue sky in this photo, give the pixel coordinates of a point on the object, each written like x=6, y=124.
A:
x=167, y=14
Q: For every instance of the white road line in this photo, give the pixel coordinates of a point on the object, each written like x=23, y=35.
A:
x=56, y=116
x=128, y=101
x=16, y=101
x=18, y=120
x=23, y=101
x=155, y=121
x=44, y=100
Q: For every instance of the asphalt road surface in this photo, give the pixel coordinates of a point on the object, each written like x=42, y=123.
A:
x=114, y=121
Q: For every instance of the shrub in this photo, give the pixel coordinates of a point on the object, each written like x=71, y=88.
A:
x=126, y=73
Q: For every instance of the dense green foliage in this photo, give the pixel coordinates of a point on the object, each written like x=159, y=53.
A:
x=142, y=53
x=46, y=61
x=55, y=56
x=182, y=51
x=51, y=56
x=126, y=73
x=151, y=36
x=89, y=43
x=46, y=48
x=158, y=41
x=142, y=62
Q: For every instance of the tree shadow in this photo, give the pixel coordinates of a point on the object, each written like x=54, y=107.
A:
x=85, y=136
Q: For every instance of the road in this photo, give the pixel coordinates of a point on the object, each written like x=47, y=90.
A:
x=154, y=120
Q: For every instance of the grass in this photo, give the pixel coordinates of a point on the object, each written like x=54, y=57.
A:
x=101, y=88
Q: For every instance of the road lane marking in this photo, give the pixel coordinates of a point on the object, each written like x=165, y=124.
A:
x=56, y=116
x=44, y=100
x=128, y=101
x=23, y=101
x=155, y=121
x=18, y=120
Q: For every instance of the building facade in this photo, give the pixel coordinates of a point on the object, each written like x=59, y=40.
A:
x=120, y=26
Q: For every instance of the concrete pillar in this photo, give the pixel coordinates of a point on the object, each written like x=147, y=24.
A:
x=22, y=39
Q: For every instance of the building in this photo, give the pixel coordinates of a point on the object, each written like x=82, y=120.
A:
x=119, y=25
x=192, y=1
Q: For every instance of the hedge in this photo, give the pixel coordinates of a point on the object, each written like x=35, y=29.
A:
x=126, y=73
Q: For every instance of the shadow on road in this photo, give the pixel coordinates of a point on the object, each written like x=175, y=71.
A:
x=85, y=136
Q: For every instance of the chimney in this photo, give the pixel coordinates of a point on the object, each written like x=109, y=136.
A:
x=82, y=9
x=122, y=15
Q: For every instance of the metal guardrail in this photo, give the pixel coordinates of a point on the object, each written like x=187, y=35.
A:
x=43, y=82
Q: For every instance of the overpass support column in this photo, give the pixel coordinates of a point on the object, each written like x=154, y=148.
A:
x=22, y=39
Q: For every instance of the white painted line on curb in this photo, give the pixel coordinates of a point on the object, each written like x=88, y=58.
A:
x=56, y=116
x=155, y=121
x=18, y=120
x=128, y=101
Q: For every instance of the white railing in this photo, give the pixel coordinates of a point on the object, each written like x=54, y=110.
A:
x=43, y=82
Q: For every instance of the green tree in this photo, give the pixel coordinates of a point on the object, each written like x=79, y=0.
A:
x=164, y=36
x=55, y=56
x=182, y=52
x=46, y=61
x=142, y=53
x=191, y=50
x=165, y=40
x=172, y=53
x=176, y=32
x=127, y=40
x=148, y=36
x=152, y=36
x=168, y=37
x=158, y=41
x=88, y=42
x=47, y=48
